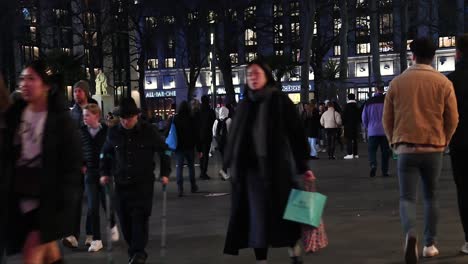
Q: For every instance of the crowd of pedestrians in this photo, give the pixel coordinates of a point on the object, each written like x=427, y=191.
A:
x=51, y=157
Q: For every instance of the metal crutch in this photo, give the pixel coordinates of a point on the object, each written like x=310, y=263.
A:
x=107, y=190
x=163, y=222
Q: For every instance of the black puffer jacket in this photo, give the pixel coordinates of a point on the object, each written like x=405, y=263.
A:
x=186, y=136
x=92, y=148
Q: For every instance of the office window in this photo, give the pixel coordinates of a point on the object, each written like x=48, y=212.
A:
x=363, y=48
x=90, y=20
x=151, y=22
x=362, y=26
x=362, y=69
x=211, y=16
x=90, y=38
x=169, y=20
x=386, y=24
x=29, y=15
x=279, y=52
x=278, y=38
x=170, y=63
x=169, y=82
x=361, y=3
x=447, y=42
x=337, y=50
x=294, y=8
x=235, y=78
x=250, y=37
x=296, y=55
x=192, y=16
x=249, y=12
x=446, y=63
x=30, y=53
x=337, y=26
x=386, y=68
x=386, y=46
x=32, y=34
x=234, y=58
x=250, y=56
x=277, y=10
x=153, y=64
x=171, y=43
x=295, y=32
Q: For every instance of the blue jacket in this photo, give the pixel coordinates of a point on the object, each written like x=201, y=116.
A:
x=372, y=115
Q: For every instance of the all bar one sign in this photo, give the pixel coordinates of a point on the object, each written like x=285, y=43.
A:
x=153, y=94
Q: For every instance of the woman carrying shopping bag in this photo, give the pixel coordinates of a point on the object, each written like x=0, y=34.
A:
x=266, y=148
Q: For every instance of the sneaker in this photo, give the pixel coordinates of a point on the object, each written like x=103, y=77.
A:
x=194, y=188
x=431, y=251
x=115, y=235
x=464, y=248
x=348, y=157
x=356, y=156
x=224, y=175
x=70, y=242
x=372, y=172
x=411, y=250
x=96, y=245
x=88, y=240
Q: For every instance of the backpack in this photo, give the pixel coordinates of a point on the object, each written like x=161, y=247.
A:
x=221, y=134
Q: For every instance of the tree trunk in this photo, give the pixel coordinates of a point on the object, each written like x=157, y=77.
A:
x=224, y=60
x=309, y=7
x=374, y=36
x=141, y=83
x=404, y=36
x=460, y=17
x=343, y=47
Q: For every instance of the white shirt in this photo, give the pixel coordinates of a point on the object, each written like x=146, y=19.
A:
x=30, y=134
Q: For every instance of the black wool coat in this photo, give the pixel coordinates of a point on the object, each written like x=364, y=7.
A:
x=281, y=150
x=91, y=150
x=60, y=182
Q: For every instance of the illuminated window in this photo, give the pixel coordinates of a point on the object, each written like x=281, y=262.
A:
x=386, y=46
x=296, y=55
x=151, y=22
x=277, y=10
x=250, y=37
x=294, y=8
x=337, y=51
x=447, y=42
x=153, y=64
x=363, y=48
x=249, y=12
x=362, y=69
x=30, y=53
x=169, y=20
x=278, y=34
x=279, y=52
x=170, y=62
x=386, y=68
x=362, y=26
x=295, y=32
x=337, y=26
x=446, y=63
x=169, y=82
x=386, y=24
x=234, y=58
x=250, y=56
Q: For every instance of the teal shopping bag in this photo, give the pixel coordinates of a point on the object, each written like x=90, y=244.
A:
x=305, y=207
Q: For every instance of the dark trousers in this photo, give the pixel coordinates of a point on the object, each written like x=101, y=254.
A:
x=134, y=209
x=95, y=195
x=331, y=138
x=205, y=149
x=78, y=209
x=459, y=157
x=189, y=156
x=351, y=135
x=374, y=143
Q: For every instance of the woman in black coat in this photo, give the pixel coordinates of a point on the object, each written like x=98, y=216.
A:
x=266, y=150
x=42, y=169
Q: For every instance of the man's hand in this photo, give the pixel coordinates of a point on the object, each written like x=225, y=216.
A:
x=200, y=155
x=84, y=169
x=165, y=180
x=104, y=180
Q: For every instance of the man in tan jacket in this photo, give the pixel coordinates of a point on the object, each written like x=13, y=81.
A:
x=420, y=117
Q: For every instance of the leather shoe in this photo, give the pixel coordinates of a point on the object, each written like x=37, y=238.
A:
x=138, y=258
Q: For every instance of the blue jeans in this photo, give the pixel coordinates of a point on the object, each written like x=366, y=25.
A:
x=95, y=195
x=374, y=143
x=188, y=155
x=313, y=148
x=412, y=167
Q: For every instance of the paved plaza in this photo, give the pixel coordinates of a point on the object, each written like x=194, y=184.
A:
x=361, y=217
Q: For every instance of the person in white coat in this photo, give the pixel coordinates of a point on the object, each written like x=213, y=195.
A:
x=220, y=134
x=331, y=121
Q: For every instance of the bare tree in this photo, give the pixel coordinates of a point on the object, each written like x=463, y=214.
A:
x=309, y=9
x=343, y=45
x=374, y=37
x=404, y=35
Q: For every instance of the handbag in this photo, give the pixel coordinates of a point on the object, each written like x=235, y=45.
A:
x=171, y=139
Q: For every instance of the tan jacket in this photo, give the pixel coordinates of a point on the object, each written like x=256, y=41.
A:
x=331, y=119
x=420, y=108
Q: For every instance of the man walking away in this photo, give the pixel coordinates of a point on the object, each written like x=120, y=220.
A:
x=331, y=121
x=459, y=143
x=220, y=132
x=351, y=123
x=207, y=118
x=420, y=117
x=372, y=122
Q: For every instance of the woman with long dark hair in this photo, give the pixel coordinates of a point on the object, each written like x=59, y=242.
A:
x=267, y=148
x=42, y=168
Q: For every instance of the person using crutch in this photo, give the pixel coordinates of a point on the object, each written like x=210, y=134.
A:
x=128, y=152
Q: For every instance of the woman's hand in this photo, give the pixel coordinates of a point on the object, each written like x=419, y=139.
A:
x=309, y=176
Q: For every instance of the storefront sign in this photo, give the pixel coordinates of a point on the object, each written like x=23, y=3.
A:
x=222, y=91
x=153, y=94
x=293, y=88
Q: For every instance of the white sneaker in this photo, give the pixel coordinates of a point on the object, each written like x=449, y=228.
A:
x=356, y=156
x=115, y=235
x=348, y=157
x=96, y=245
x=464, y=248
x=429, y=252
x=88, y=240
x=224, y=175
x=70, y=242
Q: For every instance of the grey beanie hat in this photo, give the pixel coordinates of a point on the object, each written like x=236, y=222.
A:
x=83, y=85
